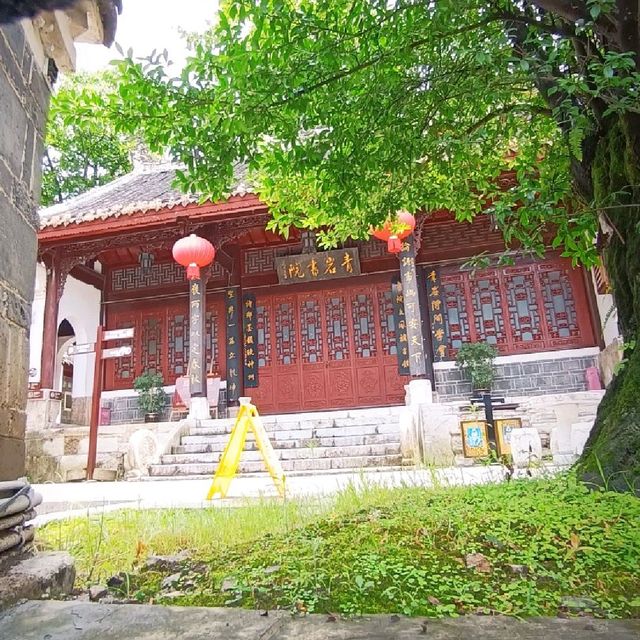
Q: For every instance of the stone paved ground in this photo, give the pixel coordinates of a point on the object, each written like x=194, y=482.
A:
x=74, y=498
x=49, y=620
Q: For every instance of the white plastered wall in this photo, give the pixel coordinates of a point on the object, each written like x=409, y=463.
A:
x=608, y=317
x=80, y=307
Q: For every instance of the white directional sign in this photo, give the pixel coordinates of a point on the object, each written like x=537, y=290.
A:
x=79, y=349
x=116, y=352
x=118, y=334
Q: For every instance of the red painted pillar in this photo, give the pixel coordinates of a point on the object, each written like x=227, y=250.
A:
x=50, y=332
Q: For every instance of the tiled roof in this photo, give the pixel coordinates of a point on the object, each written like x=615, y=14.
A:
x=146, y=189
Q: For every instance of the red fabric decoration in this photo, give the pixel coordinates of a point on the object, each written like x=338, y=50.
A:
x=382, y=233
x=193, y=252
x=407, y=224
x=394, y=244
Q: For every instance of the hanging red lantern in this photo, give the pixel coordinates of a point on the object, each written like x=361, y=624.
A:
x=193, y=252
x=403, y=226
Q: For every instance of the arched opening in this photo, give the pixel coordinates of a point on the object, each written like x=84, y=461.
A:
x=64, y=370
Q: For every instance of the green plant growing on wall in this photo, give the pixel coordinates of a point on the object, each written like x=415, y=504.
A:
x=151, y=396
x=477, y=360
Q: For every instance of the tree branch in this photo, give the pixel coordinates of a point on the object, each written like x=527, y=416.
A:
x=509, y=108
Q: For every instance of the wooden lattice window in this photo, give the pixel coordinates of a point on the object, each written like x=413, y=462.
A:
x=178, y=344
x=337, y=329
x=311, y=331
x=528, y=307
x=285, y=333
x=263, y=328
x=211, y=344
x=387, y=323
x=152, y=336
x=364, y=328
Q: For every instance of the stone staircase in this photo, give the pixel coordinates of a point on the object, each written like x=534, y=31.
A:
x=306, y=442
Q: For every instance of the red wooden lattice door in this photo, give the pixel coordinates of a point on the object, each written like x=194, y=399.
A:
x=161, y=340
x=327, y=349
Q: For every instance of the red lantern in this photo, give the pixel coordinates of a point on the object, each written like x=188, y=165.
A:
x=408, y=222
x=193, y=252
x=405, y=222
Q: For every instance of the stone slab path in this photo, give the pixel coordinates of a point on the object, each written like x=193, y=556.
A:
x=50, y=620
x=69, y=499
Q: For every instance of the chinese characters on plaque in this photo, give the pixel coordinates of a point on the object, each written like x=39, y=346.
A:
x=402, y=340
x=250, y=336
x=407, y=256
x=197, y=375
x=234, y=347
x=309, y=267
x=437, y=311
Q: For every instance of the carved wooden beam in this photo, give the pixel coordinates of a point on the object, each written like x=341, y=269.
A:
x=88, y=276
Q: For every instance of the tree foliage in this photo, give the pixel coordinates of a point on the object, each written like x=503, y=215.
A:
x=346, y=110
x=83, y=148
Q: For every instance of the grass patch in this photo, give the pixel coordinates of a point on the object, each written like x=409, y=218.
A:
x=378, y=550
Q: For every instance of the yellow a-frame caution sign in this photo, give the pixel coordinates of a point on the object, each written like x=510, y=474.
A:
x=248, y=418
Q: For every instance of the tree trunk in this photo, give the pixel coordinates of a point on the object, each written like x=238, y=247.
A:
x=612, y=454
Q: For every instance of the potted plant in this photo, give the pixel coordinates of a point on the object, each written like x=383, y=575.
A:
x=151, y=396
x=477, y=360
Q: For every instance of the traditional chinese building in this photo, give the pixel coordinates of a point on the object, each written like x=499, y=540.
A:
x=297, y=329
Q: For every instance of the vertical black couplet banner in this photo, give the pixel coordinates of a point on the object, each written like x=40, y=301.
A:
x=250, y=337
x=402, y=341
x=197, y=377
x=234, y=346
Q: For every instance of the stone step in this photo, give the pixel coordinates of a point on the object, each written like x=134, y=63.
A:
x=316, y=464
x=199, y=435
x=303, y=453
x=217, y=443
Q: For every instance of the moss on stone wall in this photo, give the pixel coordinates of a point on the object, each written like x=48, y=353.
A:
x=612, y=455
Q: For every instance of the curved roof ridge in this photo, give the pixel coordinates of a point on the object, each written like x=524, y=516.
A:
x=147, y=187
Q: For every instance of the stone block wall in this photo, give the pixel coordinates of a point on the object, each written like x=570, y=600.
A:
x=60, y=454
x=520, y=378
x=125, y=409
x=24, y=100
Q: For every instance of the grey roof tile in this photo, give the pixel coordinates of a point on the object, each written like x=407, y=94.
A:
x=149, y=188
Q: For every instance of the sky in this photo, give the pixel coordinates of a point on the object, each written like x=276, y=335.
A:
x=145, y=25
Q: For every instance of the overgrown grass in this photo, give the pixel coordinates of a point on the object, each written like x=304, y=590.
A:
x=383, y=550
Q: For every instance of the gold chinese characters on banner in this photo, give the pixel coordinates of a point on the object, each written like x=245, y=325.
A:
x=250, y=337
x=437, y=314
x=309, y=267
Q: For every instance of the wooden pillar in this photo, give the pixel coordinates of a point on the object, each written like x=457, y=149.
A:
x=197, y=367
x=55, y=284
x=413, y=313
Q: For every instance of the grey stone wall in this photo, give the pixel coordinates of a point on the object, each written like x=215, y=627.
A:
x=521, y=378
x=125, y=410
x=24, y=100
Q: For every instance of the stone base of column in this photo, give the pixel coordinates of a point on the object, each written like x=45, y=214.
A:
x=43, y=413
x=199, y=409
x=419, y=392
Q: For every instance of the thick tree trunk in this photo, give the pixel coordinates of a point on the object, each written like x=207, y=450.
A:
x=612, y=454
